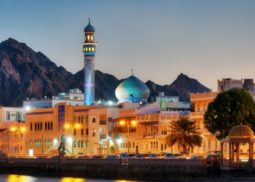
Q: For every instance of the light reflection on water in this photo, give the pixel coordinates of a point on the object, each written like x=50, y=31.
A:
x=23, y=178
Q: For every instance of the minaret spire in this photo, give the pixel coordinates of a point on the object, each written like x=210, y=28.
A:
x=132, y=71
x=89, y=52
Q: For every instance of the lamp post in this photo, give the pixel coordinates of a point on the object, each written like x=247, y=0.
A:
x=133, y=123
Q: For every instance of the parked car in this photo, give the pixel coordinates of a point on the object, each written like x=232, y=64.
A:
x=213, y=159
x=97, y=157
x=153, y=156
x=84, y=157
x=169, y=156
x=139, y=156
x=110, y=157
x=196, y=157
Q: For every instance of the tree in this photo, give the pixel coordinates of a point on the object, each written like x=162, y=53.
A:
x=229, y=108
x=185, y=134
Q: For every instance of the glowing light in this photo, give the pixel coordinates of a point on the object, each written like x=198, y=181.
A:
x=77, y=126
x=67, y=126
x=22, y=129
x=27, y=108
x=70, y=179
x=13, y=128
x=110, y=103
x=30, y=152
x=111, y=142
x=69, y=140
x=122, y=123
x=55, y=142
x=119, y=141
x=133, y=123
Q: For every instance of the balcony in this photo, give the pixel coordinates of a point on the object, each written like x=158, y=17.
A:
x=103, y=136
x=120, y=130
x=149, y=135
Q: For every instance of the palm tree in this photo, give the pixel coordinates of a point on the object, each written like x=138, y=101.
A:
x=185, y=134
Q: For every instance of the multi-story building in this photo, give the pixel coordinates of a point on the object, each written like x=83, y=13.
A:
x=48, y=126
x=228, y=83
x=12, y=138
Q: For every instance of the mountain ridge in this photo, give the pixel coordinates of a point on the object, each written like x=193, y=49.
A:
x=26, y=73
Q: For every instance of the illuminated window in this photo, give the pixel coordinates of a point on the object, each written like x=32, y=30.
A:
x=93, y=49
x=92, y=37
x=88, y=37
x=89, y=49
x=86, y=49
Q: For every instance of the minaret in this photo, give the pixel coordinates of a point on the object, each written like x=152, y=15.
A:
x=89, y=50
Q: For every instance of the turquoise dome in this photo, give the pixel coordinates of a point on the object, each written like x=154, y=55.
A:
x=132, y=90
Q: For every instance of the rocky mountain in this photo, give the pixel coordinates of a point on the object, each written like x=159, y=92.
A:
x=182, y=87
x=26, y=73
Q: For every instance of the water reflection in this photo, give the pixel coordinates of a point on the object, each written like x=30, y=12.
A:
x=23, y=178
x=19, y=178
x=68, y=179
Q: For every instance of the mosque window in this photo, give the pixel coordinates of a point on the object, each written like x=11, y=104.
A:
x=89, y=49
x=88, y=37
x=92, y=37
x=86, y=49
x=93, y=49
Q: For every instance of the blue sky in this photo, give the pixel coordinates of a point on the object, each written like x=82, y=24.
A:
x=205, y=39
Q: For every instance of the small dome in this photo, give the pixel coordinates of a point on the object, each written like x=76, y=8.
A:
x=89, y=28
x=241, y=131
x=132, y=90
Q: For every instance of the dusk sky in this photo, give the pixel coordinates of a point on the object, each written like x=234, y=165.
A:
x=205, y=39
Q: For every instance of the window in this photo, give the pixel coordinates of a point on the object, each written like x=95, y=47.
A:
x=18, y=118
x=82, y=119
x=87, y=119
x=31, y=126
x=81, y=131
x=8, y=116
x=92, y=49
x=93, y=120
x=74, y=132
x=46, y=125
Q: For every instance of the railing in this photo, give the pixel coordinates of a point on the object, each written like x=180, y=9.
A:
x=120, y=130
x=149, y=134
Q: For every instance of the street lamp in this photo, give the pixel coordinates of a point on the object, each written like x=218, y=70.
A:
x=132, y=123
x=71, y=139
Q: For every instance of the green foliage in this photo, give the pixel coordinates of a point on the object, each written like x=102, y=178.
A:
x=185, y=134
x=230, y=108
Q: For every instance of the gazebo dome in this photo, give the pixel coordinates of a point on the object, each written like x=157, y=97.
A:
x=132, y=90
x=241, y=131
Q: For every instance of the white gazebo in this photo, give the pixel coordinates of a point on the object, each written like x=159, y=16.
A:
x=238, y=147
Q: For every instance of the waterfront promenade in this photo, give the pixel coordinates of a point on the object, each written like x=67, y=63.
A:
x=136, y=169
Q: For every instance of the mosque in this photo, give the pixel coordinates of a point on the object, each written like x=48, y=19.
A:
x=131, y=125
